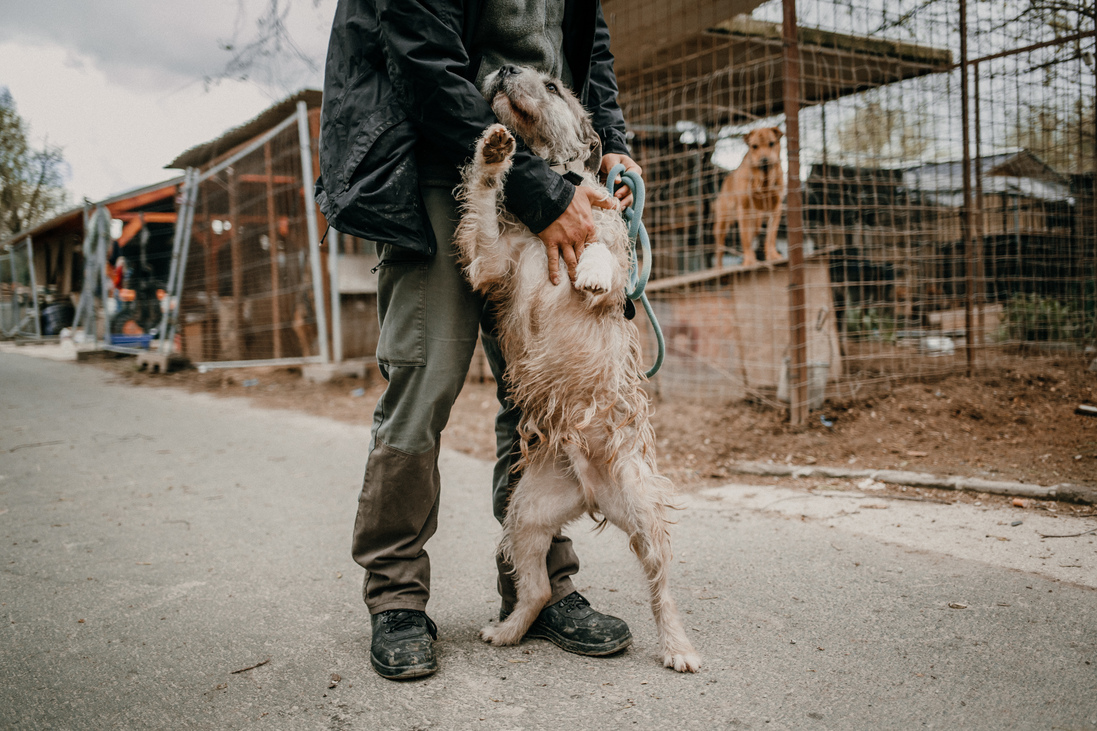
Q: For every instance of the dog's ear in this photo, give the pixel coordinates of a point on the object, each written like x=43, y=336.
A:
x=594, y=162
x=777, y=131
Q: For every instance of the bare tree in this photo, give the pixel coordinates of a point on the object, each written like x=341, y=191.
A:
x=1061, y=137
x=882, y=133
x=31, y=180
x=266, y=51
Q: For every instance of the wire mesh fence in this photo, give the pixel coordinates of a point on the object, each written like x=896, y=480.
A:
x=946, y=159
x=136, y=266
x=249, y=287
x=19, y=311
x=123, y=282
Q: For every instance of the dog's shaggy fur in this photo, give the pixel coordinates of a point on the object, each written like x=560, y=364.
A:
x=751, y=195
x=573, y=362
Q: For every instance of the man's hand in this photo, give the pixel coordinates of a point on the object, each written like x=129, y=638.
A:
x=568, y=234
x=624, y=193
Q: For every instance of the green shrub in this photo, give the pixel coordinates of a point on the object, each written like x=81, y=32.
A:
x=1031, y=318
x=863, y=323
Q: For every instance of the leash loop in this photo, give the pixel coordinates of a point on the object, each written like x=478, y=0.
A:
x=638, y=272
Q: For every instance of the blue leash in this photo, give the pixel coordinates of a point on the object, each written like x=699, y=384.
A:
x=638, y=274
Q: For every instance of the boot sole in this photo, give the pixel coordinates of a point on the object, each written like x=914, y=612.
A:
x=578, y=648
x=389, y=672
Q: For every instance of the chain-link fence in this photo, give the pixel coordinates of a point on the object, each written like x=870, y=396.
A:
x=251, y=280
x=939, y=161
x=124, y=284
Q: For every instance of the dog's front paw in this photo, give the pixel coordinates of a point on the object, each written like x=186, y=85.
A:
x=594, y=272
x=496, y=145
x=684, y=662
x=498, y=635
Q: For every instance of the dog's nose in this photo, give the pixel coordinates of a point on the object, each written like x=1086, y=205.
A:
x=509, y=70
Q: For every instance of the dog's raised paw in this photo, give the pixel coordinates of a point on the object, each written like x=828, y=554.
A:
x=688, y=662
x=497, y=144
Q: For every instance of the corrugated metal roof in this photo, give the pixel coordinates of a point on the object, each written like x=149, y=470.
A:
x=1017, y=172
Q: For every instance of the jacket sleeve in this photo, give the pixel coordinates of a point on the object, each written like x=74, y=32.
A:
x=606, y=115
x=426, y=59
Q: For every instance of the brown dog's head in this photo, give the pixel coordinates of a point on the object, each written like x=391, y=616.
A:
x=763, y=148
x=544, y=114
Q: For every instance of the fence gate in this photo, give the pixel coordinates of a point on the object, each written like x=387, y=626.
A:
x=249, y=266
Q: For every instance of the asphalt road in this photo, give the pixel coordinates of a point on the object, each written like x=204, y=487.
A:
x=156, y=544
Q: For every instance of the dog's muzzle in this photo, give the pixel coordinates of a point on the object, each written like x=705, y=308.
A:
x=500, y=83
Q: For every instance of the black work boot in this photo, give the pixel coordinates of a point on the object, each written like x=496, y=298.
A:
x=402, y=646
x=572, y=625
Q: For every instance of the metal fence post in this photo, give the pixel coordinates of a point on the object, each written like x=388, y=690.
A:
x=187, y=221
x=176, y=245
x=966, y=214
x=33, y=289
x=314, y=236
x=102, y=253
x=797, y=297
x=5, y=322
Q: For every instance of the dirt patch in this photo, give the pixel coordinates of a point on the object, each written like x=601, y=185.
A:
x=1017, y=423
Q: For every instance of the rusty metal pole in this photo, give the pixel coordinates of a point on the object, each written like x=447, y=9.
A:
x=272, y=236
x=797, y=300
x=965, y=217
x=237, y=251
x=980, y=220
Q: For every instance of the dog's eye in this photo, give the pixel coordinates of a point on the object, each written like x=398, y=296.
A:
x=754, y=146
x=771, y=144
x=552, y=87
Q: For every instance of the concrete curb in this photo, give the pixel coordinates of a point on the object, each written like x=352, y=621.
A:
x=1065, y=491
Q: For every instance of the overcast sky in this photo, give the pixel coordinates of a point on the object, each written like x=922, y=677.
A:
x=121, y=86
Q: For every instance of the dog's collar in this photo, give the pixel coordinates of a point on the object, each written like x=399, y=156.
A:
x=572, y=170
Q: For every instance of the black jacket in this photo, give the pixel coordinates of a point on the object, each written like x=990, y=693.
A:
x=397, y=73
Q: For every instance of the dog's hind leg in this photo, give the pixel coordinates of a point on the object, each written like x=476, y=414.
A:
x=544, y=500
x=527, y=554
x=639, y=509
x=480, y=194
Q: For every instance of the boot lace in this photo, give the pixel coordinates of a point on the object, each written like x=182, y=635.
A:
x=407, y=619
x=573, y=601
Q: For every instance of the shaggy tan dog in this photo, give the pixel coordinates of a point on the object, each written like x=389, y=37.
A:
x=573, y=362
x=751, y=195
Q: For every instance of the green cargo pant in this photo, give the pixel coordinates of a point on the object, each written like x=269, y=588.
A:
x=430, y=318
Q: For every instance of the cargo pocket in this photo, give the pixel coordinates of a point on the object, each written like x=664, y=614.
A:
x=401, y=306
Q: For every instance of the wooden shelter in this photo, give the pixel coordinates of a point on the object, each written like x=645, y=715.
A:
x=57, y=244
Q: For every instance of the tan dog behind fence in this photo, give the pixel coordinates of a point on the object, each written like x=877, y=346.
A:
x=752, y=195
x=573, y=363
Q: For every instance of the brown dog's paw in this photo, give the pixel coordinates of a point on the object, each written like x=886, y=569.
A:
x=497, y=144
